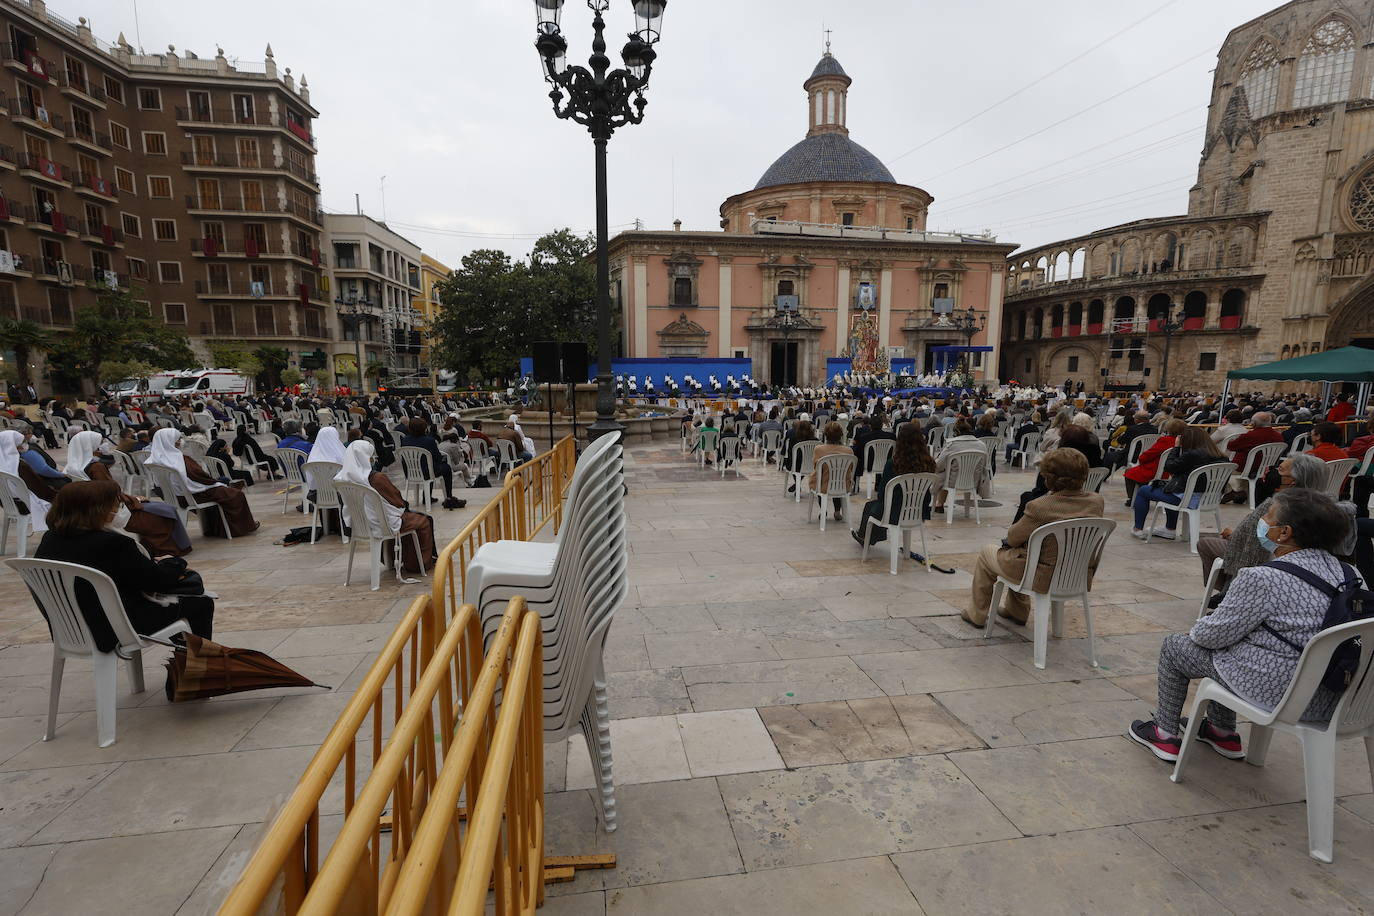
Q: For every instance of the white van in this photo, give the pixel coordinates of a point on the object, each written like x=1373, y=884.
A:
x=205, y=382
x=141, y=388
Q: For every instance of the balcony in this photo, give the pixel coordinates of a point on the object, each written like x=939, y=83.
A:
x=37, y=167
x=39, y=118
x=100, y=234
x=281, y=332
x=54, y=270
x=88, y=139
x=80, y=88
x=49, y=220
x=267, y=208
x=238, y=288
x=223, y=117
x=102, y=189
x=9, y=159
x=28, y=63
x=22, y=264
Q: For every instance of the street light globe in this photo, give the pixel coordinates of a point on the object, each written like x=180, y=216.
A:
x=548, y=12
x=638, y=57
x=553, y=47
x=649, y=18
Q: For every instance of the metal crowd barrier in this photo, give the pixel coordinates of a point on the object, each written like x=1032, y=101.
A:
x=447, y=736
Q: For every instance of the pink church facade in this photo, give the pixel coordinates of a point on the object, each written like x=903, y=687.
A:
x=827, y=233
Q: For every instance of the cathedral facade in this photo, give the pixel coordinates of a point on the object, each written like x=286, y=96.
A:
x=827, y=256
x=1274, y=257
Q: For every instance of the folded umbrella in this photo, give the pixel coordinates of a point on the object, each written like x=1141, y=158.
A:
x=203, y=669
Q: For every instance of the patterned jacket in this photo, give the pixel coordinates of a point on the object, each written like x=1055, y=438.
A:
x=1252, y=661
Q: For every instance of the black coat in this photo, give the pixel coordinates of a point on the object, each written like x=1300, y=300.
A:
x=120, y=558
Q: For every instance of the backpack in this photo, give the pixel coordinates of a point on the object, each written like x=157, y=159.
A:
x=1348, y=602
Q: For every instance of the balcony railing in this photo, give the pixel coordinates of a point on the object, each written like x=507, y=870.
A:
x=225, y=161
x=76, y=83
x=103, y=186
x=225, y=116
x=235, y=247
x=87, y=135
x=228, y=204
x=54, y=171
x=301, y=172
x=33, y=64
x=283, y=330
x=22, y=261
x=41, y=115
x=234, y=287
x=64, y=271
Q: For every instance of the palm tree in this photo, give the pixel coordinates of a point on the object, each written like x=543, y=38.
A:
x=25, y=338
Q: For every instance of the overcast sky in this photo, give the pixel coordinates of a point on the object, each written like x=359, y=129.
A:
x=447, y=101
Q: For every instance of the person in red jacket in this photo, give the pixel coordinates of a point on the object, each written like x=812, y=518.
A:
x=1340, y=411
x=1261, y=432
x=1325, y=437
x=1147, y=468
x=1362, y=486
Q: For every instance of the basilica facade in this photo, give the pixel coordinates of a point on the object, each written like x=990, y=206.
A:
x=1272, y=260
x=826, y=256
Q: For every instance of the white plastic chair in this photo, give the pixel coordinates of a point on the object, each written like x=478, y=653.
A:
x=193, y=448
x=357, y=500
x=1079, y=543
x=1208, y=483
x=290, y=462
x=216, y=468
x=731, y=451
x=686, y=438
x=135, y=480
x=876, y=454
x=53, y=585
x=417, y=465
x=505, y=450
x=1300, y=443
x=1138, y=446
x=1336, y=473
x=803, y=463
x=321, y=475
x=962, y=475
x=707, y=440
x=935, y=438
x=908, y=492
x=483, y=462
x=1210, y=588
x=1257, y=461
x=770, y=444
x=1096, y=477
x=1353, y=717
x=1025, y=448
x=835, y=480
x=16, y=489
x=183, y=500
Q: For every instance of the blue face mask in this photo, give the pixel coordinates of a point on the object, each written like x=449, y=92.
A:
x=1262, y=532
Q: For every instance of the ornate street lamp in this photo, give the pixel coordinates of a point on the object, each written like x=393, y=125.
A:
x=969, y=324
x=603, y=100
x=1170, y=327
x=787, y=320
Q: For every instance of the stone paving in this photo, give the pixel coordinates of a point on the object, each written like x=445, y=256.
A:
x=795, y=732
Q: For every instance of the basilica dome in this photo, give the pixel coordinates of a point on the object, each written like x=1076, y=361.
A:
x=825, y=157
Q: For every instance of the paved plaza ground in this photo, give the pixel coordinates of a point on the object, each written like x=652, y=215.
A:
x=795, y=732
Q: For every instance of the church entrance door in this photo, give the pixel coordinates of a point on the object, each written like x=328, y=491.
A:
x=782, y=364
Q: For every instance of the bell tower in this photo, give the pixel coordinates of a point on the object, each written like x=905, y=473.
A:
x=827, y=93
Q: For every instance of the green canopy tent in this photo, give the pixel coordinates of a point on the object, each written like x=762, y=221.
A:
x=1344, y=364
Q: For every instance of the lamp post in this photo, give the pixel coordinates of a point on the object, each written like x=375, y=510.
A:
x=602, y=100
x=357, y=311
x=969, y=324
x=1169, y=327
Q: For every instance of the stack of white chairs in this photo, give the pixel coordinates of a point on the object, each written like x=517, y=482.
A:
x=575, y=582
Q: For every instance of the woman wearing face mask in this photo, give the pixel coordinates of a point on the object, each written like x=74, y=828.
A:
x=1252, y=642
x=155, y=524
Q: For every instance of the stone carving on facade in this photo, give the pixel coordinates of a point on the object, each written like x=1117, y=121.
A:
x=683, y=338
x=1354, y=255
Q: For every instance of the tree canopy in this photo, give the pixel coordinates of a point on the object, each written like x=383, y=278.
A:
x=492, y=308
x=119, y=329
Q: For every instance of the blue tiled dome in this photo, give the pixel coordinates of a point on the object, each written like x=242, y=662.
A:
x=826, y=157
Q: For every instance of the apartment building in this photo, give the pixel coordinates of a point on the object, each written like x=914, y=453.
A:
x=377, y=275
x=426, y=305
x=189, y=181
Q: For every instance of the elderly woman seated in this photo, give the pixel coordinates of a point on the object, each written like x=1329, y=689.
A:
x=1252, y=641
x=1064, y=471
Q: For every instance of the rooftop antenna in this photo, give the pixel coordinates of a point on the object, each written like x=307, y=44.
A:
x=383, y=198
x=138, y=34
x=673, y=163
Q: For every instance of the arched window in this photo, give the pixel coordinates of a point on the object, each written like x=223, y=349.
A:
x=1078, y=264
x=1260, y=78
x=1125, y=309
x=1095, y=310
x=1232, y=309
x=1325, y=65
x=1061, y=267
